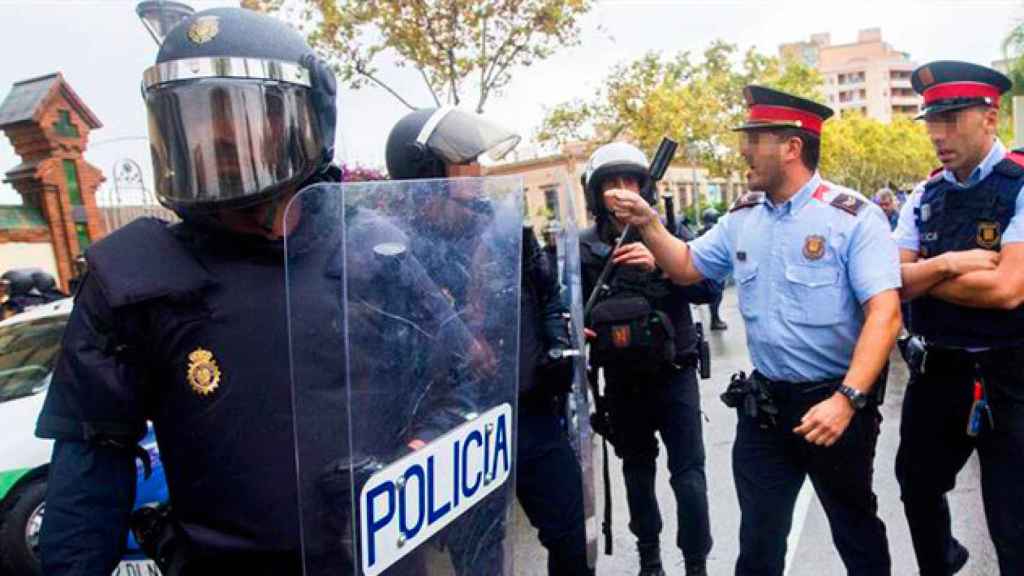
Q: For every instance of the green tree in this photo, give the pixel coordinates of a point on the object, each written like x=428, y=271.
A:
x=865, y=154
x=458, y=46
x=696, y=102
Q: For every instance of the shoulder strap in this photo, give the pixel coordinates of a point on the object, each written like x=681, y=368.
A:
x=1012, y=165
x=848, y=203
x=144, y=261
x=748, y=200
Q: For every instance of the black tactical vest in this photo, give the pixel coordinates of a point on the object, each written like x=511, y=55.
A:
x=951, y=218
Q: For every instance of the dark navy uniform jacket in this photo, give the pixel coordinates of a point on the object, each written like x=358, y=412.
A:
x=188, y=327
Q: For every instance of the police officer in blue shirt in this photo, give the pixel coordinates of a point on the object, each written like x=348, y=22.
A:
x=961, y=241
x=818, y=275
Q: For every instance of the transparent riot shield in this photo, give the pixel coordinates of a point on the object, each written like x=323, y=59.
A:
x=577, y=406
x=403, y=303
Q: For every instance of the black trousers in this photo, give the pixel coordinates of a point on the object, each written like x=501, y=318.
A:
x=549, y=486
x=668, y=405
x=771, y=464
x=714, y=306
x=934, y=446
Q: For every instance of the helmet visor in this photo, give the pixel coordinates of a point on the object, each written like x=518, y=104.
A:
x=219, y=142
x=459, y=137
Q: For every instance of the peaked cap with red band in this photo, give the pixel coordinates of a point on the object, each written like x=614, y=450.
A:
x=769, y=108
x=951, y=85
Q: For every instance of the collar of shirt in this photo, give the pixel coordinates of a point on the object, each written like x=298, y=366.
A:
x=995, y=155
x=797, y=201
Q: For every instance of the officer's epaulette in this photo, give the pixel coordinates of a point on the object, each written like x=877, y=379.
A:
x=747, y=200
x=848, y=203
x=1012, y=164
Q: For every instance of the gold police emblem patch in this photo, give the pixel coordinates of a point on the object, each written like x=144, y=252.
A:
x=203, y=373
x=621, y=336
x=814, y=247
x=204, y=29
x=988, y=234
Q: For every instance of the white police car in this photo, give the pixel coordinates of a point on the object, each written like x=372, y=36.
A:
x=29, y=343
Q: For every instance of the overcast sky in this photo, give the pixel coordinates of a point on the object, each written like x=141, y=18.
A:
x=102, y=48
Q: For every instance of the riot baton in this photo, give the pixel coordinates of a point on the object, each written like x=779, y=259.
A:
x=659, y=165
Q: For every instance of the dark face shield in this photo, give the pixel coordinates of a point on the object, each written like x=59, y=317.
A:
x=230, y=142
x=458, y=137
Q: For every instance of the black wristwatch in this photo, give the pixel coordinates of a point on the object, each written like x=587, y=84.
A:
x=857, y=398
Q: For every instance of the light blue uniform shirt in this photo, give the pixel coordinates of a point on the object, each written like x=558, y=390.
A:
x=906, y=234
x=803, y=270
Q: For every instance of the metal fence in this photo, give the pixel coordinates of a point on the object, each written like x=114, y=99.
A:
x=129, y=198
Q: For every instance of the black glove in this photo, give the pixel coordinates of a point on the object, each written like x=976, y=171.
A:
x=160, y=538
x=555, y=371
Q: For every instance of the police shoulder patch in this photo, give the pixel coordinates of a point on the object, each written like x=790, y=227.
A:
x=848, y=203
x=748, y=200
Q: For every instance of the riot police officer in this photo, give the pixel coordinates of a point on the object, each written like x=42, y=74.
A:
x=549, y=483
x=708, y=220
x=817, y=274
x=185, y=325
x=960, y=237
x=651, y=384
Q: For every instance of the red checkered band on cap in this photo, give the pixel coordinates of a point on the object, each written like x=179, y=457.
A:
x=951, y=90
x=768, y=113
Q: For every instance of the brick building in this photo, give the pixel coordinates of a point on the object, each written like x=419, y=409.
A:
x=48, y=126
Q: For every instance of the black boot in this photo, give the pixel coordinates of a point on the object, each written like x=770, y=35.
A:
x=650, y=560
x=718, y=324
x=956, y=556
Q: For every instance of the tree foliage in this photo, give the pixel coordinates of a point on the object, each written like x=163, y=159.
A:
x=696, y=102
x=866, y=155
x=459, y=47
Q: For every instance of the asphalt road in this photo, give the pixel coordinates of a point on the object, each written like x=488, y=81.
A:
x=811, y=552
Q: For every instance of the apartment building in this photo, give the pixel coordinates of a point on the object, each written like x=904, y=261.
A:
x=867, y=76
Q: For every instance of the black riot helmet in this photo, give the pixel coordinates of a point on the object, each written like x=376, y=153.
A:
x=424, y=141
x=240, y=111
x=614, y=159
x=20, y=281
x=709, y=217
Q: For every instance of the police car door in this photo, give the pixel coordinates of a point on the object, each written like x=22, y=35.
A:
x=405, y=373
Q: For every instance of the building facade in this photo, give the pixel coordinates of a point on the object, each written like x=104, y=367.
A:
x=48, y=126
x=867, y=76
x=543, y=176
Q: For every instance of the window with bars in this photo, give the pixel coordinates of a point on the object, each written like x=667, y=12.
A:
x=63, y=125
